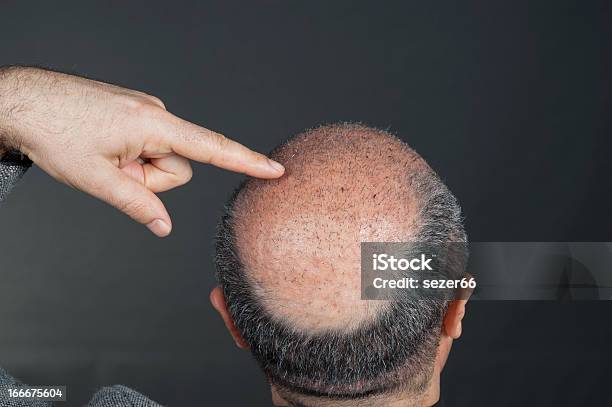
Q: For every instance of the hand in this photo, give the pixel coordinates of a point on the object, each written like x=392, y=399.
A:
x=116, y=144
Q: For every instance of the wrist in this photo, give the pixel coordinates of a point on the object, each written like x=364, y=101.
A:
x=8, y=92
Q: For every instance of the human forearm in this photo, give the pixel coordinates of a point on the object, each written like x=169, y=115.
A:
x=117, y=144
x=6, y=107
x=3, y=148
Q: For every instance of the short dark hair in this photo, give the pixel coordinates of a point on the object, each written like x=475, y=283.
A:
x=395, y=350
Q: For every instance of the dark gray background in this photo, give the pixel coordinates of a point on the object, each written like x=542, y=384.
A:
x=508, y=101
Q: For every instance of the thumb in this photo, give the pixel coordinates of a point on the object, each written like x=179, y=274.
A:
x=111, y=185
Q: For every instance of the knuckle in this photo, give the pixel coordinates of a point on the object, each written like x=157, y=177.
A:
x=218, y=148
x=141, y=107
x=132, y=103
x=132, y=207
x=221, y=142
x=216, y=145
x=157, y=101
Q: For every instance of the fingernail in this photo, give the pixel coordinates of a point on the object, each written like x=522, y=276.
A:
x=277, y=166
x=159, y=227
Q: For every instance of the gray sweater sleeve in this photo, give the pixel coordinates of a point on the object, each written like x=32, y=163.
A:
x=12, y=167
x=115, y=396
x=7, y=382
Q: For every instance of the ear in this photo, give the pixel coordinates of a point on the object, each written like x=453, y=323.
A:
x=454, y=316
x=218, y=302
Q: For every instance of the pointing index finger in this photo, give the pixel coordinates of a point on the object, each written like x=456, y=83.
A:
x=206, y=146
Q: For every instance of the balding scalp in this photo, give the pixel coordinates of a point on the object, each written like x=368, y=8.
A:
x=288, y=258
x=299, y=236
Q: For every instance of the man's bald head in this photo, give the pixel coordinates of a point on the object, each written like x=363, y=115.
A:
x=299, y=236
x=289, y=262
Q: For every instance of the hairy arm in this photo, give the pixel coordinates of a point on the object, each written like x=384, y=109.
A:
x=4, y=96
x=119, y=145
